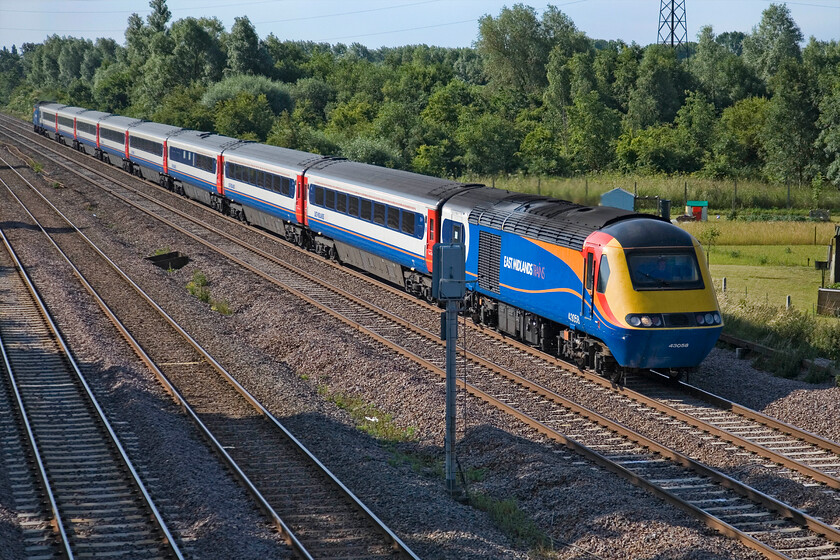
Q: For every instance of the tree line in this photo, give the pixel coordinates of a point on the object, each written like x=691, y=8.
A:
x=534, y=95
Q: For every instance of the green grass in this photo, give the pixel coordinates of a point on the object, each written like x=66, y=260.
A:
x=769, y=255
x=368, y=417
x=783, y=233
x=513, y=522
x=768, y=284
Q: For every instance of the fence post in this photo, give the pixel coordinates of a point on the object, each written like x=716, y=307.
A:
x=724, y=284
x=787, y=302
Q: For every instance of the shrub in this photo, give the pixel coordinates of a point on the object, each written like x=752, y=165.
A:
x=276, y=93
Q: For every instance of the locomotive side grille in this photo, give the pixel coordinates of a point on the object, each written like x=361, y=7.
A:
x=489, y=260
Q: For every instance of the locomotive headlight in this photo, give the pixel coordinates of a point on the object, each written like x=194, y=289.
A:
x=656, y=320
x=717, y=318
x=700, y=319
x=634, y=321
x=709, y=318
x=646, y=321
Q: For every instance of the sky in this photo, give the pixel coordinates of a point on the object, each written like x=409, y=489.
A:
x=391, y=23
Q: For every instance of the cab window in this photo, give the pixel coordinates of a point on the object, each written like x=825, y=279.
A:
x=603, y=274
x=664, y=270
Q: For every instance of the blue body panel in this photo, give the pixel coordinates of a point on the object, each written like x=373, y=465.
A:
x=374, y=246
x=87, y=142
x=660, y=348
x=530, y=277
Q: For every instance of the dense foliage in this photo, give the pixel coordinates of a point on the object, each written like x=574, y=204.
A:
x=534, y=96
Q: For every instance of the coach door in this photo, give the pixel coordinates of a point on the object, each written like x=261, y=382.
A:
x=588, y=286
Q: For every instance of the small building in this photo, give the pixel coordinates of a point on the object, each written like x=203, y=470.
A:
x=698, y=209
x=619, y=198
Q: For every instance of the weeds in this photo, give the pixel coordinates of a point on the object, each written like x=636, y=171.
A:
x=197, y=286
x=163, y=251
x=512, y=521
x=369, y=418
x=36, y=166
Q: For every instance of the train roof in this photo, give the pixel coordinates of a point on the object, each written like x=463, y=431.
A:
x=154, y=129
x=640, y=233
x=295, y=160
x=71, y=110
x=547, y=219
x=50, y=106
x=91, y=115
x=116, y=121
x=421, y=188
x=205, y=140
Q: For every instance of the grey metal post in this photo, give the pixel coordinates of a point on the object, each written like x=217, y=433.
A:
x=451, y=354
x=448, y=284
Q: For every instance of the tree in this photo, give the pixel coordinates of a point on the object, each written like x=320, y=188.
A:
x=697, y=120
x=243, y=48
x=488, y=144
x=197, y=55
x=722, y=75
x=541, y=154
x=159, y=17
x=288, y=59
x=111, y=86
x=372, y=150
x=775, y=39
x=737, y=148
x=593, y=131
x=656, y=149
x=516, y=46
x=829, y=137
x=245, y=116
x=179, y=108
x=790, y=129
x=276, y=93
x=732, y=41
x=660, y=88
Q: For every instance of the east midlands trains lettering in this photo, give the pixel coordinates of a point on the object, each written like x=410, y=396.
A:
x=525, y=267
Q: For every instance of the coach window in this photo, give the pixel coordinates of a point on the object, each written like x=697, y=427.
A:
x=330, y=199
x=366, y=212
x=318, y=193
x=408, y=222
x=353, y=206
x=603, y=274
x=393, y=218
x=379, y=213
x=341, y=202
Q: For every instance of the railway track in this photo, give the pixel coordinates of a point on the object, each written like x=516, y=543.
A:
x=417, y=340
x=317, y=514
x=96, y=502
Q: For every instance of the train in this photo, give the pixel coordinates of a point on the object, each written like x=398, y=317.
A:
x=608, y=289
